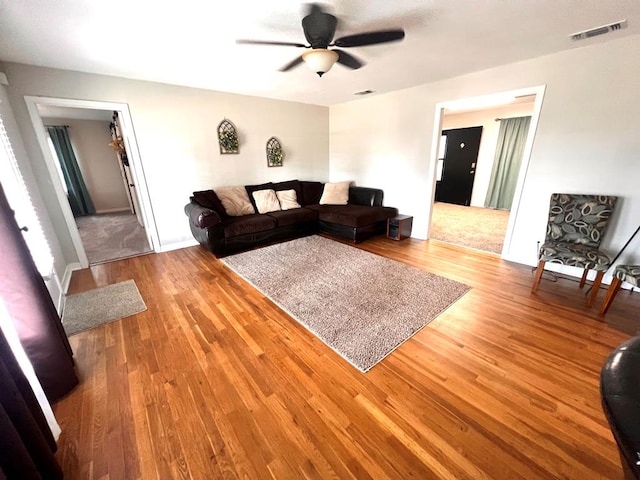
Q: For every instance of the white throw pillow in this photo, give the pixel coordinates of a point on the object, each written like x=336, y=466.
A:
x=288, y=199
x=266, y=201
x=235, y=201
x=335, y=193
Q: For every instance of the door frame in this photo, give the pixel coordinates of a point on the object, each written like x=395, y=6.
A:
x=125, y=170
x=135, y=162
x=132, y=194
x=487, y=102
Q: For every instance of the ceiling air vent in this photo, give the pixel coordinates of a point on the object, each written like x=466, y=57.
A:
x=594, y=32
x=364, y=92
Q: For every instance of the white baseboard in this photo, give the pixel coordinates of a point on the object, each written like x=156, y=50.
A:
x=67, y=276
x=113, y=210
x=576, y=273
x=177, y=245
x=52, y=282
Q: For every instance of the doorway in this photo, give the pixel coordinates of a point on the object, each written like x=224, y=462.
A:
x=122, y=223
x=469, y=222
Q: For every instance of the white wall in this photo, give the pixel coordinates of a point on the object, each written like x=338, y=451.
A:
x=490, y=128
x=175, y=129
x=587, y=139
x=98, y=162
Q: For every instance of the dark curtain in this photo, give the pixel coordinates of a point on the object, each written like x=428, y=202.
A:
x=512, y=138
x=79, y=198
x=31, y=309
x=26, y=444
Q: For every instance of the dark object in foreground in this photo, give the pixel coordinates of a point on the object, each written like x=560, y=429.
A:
x=620, y=391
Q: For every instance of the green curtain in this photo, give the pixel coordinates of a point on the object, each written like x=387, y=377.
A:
x=506, y=164
x=77, y=193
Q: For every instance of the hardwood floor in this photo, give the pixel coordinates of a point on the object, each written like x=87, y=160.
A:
x=215, y=381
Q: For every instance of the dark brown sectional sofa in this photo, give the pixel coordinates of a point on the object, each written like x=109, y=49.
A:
x=363, y=217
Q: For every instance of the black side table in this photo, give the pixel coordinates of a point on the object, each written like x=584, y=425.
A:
x=399, y=227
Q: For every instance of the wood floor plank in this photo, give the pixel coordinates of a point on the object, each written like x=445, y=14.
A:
x=213, y=381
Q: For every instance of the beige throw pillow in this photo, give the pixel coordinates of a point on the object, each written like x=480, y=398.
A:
x=287, y=199
x=235, y=201
x=335, y=193
x=266, y=201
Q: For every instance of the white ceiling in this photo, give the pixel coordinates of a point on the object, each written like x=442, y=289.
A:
x=192, y=42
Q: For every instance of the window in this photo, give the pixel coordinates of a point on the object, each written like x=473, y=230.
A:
x=20, y=201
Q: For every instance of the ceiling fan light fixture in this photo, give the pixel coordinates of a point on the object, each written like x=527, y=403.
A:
x=320, y=60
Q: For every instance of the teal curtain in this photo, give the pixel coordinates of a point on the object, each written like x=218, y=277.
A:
x=77, y=193
x=506, y=164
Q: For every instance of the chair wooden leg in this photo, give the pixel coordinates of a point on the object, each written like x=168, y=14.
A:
x=584, y=277
x=538, y=276
x=611, y=294
x=595, y=288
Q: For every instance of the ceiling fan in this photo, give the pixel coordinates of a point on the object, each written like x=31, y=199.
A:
x=319, y=27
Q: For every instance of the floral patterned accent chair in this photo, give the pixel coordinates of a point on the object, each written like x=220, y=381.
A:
x=623, y=273
x=575, y=229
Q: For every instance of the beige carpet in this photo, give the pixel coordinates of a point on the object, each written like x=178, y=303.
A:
x=361, y=305
x=112, y=236
x=86, y=310
x=473, y=227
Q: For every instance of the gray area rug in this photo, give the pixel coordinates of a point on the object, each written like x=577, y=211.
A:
x=361, y=305
x=112, y=236
x=87, y=310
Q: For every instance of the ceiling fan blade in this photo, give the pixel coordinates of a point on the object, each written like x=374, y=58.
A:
x=291, y=64
x=348, y=60
x=267, y=42
x=371, y=38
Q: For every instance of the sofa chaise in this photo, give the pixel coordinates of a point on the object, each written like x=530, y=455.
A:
x=232, y=219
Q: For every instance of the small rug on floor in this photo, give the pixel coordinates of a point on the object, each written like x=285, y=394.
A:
x=87, y=310
x=361, y=305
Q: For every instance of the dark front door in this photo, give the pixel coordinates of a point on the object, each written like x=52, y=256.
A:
x=459, y=168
